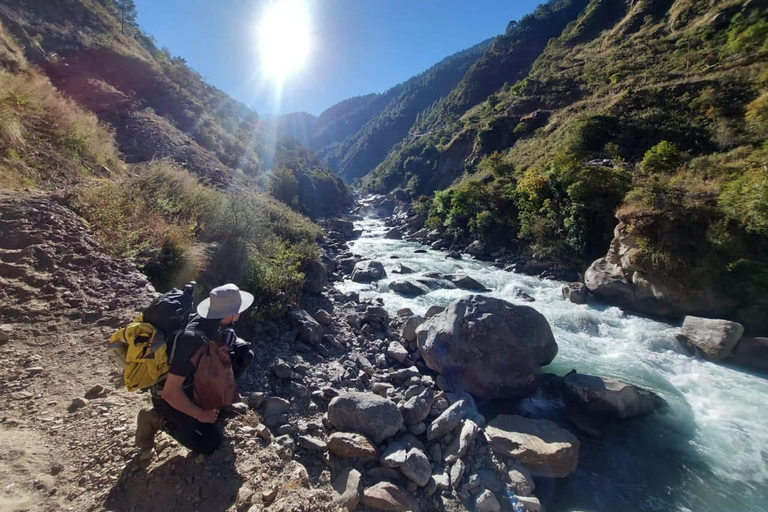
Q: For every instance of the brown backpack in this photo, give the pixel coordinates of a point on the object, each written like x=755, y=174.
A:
x=214, y=382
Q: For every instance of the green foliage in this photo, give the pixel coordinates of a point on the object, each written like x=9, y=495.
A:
x=497, y=166
x=664, y=157
x=284, y=187
x=749, y=33
x=745, y=200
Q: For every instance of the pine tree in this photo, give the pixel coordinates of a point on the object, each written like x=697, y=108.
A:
x=127, y=13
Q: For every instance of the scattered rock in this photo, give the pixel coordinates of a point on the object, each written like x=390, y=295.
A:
x=347, y=485
x=486, y=502
x=531, y=503
x=323, y=317
x=6, y=330
x=520, y=480
x=270, y=495
x=281, y=369
x=397, y=351
x=368, y=414
x=448, y=421
x=417, y=408
x=95, y=391
x=388, y=496
x=407, y=288
x=575, y=292
x=401, y=269
x=368, y=271
x=78, y=403
x=409, y=328
x=541, y=446
x=416, y=467
x=312, y=443
x=459, y=445
x=608, y=396
x=351, y=445
x=713, y=339
x=394, y=234
x=465, y=282
x=488, y=346
x=457, y=473
x=309, y=330
x=276, y=406
x=315, y=277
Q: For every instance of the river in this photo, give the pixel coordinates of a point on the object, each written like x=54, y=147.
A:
x=707, y=451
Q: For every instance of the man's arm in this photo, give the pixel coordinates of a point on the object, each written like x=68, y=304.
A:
x=174, y=394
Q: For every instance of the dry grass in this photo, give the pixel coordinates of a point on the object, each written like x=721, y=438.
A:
x=46, y=139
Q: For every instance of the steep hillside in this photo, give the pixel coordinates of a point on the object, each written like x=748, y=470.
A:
x=353, y=136
x=656, y=109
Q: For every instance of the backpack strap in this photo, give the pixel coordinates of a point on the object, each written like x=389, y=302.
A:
x=193, y=332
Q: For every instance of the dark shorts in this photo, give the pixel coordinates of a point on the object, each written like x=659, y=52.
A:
x=198, y=437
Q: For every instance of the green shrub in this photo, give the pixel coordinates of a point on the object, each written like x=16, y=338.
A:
x=664, y=157
x=745, y=200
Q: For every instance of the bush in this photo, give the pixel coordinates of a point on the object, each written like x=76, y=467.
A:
x=745, y=200
x=664, y=157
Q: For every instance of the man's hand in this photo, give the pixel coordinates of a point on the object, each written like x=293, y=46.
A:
x=208, y=416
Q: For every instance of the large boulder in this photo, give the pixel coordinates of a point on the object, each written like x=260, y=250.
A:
x=310, y=331
x=608, y=396
x=488, y=346
x=351, y=445
x=368, y=414
x=713, y=339
x=540, y=445
x=368, y=271
x=394, y=234
x=409, y=328
x=752, y=352
x=624, y=278
x=343, y=226
x=476, y=248
x=401, y=269
x=407, y=288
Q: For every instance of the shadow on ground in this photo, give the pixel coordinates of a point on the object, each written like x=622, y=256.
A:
x=178, y=484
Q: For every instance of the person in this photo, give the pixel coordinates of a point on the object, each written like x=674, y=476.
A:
x=175, y=410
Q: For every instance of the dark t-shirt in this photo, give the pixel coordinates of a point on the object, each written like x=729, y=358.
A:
x=189, y=343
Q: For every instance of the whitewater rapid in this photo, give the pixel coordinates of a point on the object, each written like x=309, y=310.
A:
x=706, y=451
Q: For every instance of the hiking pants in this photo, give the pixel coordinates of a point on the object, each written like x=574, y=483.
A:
x=241, y=355
x=198, y=437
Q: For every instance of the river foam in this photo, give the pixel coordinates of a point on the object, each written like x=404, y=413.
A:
x=706, y=451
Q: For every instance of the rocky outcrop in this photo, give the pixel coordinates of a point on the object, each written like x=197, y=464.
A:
x=712, y=339
x=608, y=396
x=368, y=271
x=368, y=414
x=621, y=278
x=541, y=446
x=488, y=346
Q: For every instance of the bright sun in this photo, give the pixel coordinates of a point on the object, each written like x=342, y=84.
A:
x=284, y=40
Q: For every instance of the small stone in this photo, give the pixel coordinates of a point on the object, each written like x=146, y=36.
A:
x=34, y=370
x=312, y=443
x=270, y=495
x=281, y=369
x=417, y=467
x=78, y=403
x=21, y=395
x=486, y=502
x=397, y=351
x=457, y=473
x=388, y=496
x=255, y=399
x=323, y=317
x=96, y=390
x=351, y=445
x=347, y=485
x=263, y=432
x=418, y=428
x=531, y=503
x=5, y=333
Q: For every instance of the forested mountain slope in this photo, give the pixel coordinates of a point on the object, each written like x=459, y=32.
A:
x=353, y=136
x=654, y=109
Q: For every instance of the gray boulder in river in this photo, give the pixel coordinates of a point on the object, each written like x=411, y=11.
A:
x=367, y=271
x=608, y=396
x=407, y=288
x=713, y=339
x=487, y=346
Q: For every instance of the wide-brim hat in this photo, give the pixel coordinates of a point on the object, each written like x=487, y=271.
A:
x=224, y=301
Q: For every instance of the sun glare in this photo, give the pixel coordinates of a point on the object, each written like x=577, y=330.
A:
x=283, y=38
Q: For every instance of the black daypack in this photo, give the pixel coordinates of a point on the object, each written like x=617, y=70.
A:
x=170, y=312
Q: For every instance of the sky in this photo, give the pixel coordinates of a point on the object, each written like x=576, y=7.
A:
x=356, y=46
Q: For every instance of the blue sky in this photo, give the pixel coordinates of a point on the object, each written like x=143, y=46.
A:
x=358, y=46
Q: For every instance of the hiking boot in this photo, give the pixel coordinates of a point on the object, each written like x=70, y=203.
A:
x=148, y=423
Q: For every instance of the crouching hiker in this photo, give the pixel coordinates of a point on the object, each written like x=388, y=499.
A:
x=205, y=361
